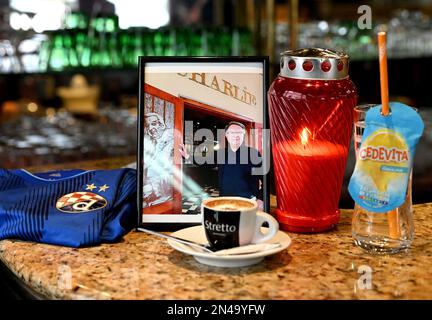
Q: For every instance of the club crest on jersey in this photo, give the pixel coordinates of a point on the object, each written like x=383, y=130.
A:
x=78, y=202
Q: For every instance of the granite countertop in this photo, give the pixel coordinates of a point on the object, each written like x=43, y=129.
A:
x=316, y=266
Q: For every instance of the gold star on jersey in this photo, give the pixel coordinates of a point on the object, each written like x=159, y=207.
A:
x=103, y=188
x=91, y=187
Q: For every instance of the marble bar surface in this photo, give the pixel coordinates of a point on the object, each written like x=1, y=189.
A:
x=316, y=266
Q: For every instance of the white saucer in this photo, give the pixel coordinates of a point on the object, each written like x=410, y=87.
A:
x=197, y=234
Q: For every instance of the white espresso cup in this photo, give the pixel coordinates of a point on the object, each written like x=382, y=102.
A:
x=234, y=221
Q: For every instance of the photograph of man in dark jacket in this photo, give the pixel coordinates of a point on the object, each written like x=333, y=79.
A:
x=235, y=165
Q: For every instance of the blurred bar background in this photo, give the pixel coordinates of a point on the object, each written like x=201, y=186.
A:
x=68, y=68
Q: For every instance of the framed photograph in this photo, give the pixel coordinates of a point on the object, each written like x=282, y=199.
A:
x=202, y=132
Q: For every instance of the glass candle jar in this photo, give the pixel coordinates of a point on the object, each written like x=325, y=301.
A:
x=311, y=106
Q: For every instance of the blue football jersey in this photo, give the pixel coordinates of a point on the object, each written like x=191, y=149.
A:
x=73, y=208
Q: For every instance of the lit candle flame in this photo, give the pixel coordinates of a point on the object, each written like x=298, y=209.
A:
x=304, y=136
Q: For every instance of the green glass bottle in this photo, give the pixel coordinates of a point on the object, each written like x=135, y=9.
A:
x=235, y=42
x=138, y=46
x=44, y=53
x=101, y=28
x=76, y=39
x=158, y=42
x=111, y=23
x=170, y=42
x=205, y=41
x=114, y=50
x=111, y=31
x=212, y=41
x=148, y=35
x=182, y=42
x=225, y=42
x=247, y=47
x=58, y=57
x=82, y=21
x=99, y=23
x=72, y=20
x=95, y=57
x=125, y=47
x=70, y=48
x=196, y=42
x=105, y=54
x=83, y=48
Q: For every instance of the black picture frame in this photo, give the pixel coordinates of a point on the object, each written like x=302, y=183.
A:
x=178, y=219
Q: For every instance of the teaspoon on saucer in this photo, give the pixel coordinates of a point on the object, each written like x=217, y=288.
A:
x=251, y=248
x=184, y=241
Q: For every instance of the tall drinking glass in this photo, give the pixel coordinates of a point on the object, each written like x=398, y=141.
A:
x=375, y=232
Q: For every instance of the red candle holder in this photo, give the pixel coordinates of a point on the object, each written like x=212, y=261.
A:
x=311, y=106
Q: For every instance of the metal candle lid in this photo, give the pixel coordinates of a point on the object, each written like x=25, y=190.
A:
x=314, y=63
